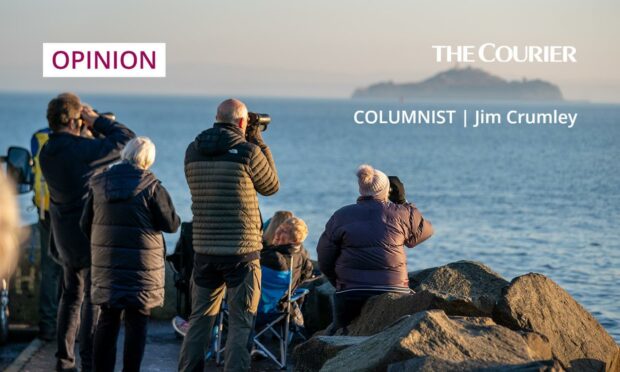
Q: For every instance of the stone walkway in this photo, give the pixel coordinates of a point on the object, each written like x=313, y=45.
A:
x=161, y=354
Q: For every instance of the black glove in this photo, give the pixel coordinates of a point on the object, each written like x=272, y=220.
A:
x=397, y=191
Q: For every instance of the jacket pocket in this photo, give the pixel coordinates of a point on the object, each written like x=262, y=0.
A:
x=253, y=286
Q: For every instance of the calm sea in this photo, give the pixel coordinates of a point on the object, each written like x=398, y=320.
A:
x=520, y=199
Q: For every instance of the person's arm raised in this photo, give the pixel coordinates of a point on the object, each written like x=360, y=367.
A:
x=420, y=228
x=102, y=151
x=262, y=168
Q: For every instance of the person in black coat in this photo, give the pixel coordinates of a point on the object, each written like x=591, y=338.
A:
x=124, y=216
x=81, y=144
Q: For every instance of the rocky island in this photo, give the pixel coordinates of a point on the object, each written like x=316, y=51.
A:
x=464, y=84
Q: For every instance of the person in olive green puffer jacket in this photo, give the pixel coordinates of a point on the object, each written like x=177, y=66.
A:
x=225, y=169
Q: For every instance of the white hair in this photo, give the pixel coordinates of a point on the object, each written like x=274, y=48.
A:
x=9, y=228
x=231, y=111
x=140, y=151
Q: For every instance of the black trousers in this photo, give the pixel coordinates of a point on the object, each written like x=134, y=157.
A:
x=136, y=322
x=75, y=311
x=347, y=307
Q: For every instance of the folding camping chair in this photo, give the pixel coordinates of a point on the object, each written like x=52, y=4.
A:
x=278, y=301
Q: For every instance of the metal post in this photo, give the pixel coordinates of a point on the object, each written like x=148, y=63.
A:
x=287, y=319
x=220, y=333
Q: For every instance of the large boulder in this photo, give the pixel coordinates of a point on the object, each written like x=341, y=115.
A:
x=535, y=302
x=461, y=288
x=432, y=364
x=433, y=333
x=312, y=354
x=382, y=311
x=317, y=309
x=416, y=277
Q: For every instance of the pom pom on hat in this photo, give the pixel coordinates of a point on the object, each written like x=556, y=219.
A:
x=372, y=182
x=365, y=174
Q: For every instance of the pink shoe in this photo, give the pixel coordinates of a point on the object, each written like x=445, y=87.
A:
x=180, y=325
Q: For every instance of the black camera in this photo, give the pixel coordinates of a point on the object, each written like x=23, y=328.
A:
x=260, y=121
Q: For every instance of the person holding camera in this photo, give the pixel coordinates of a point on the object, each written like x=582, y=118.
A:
x=68, y=160
x=226, y=166
x=361, y=250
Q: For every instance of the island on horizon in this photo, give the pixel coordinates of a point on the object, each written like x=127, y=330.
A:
x=464, y=84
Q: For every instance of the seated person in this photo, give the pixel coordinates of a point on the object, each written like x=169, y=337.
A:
x=361, y=250
x=275, y=265
x=283, y=238
x=271, y=225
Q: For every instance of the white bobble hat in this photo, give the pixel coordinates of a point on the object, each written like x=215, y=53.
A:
x=372, y=182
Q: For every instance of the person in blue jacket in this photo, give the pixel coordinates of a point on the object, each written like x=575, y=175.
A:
x=275, y=262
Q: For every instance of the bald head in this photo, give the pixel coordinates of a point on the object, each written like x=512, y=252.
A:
x=232, y=111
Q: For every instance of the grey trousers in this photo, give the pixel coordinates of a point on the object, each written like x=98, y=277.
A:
x=242, y=300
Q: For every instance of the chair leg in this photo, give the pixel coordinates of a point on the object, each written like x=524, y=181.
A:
x=285, y=339
x=284, y=334
x=218, y=339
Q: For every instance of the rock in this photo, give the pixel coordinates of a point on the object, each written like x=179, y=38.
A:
x=461, y=288
x=312, y=354
x=317, y=309
x=534, y=302
x=431, y=364
x=382, y=311
x=416, y=277
x=539, y=345
x=615, y=364
x=434, y=334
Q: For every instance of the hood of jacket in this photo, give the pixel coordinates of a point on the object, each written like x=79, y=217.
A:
x=121, y=182
x=219, y=139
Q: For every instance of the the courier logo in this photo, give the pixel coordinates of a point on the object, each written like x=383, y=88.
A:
x=104, y=60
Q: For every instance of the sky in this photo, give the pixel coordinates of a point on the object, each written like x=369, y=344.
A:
x=310, y=49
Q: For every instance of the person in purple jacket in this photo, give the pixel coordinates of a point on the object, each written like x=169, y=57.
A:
x=361, y=250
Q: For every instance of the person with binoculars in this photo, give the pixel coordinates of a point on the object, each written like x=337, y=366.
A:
x=68, y=160
x=361, y=250
x=225, y=167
